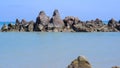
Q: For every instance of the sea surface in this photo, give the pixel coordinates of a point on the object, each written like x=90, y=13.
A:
x=57, y=50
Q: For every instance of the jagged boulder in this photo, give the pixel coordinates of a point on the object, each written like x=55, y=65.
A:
x=98, y=22
x=4, y=28
x=30, y=26
x=80, y=62
x=24, y=25
x=42, y=22
x=17, y=25
x=91, y=23
x=50, y=26
x=42, y=18
x=112, y=23
x=115, y=67
x=11, y=27
x=56, y=20
x=24, y=22
x=70, y=20
x=118, y=27
x=17, y=22
x=21, y=29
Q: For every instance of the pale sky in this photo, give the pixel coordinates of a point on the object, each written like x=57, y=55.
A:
x=84, y=9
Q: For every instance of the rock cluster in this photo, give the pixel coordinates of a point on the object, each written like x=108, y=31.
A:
x=80, y=62
x=55, y=24
x=23, y=26
x=115, y=67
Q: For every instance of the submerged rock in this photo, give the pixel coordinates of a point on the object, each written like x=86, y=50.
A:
x=80, y=62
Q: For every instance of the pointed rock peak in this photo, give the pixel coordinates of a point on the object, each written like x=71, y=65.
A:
x=56, y=12
x=80, y=62
x=97, y=19
x=42, y=13
x=23, y=21
x=56, y=20
x=82, y=58
x=17, y=21
x=112, y=19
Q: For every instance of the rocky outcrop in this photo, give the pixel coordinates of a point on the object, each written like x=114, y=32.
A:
x=112, y=23
x=42, y=22
x=56, y=24
x=11, y=27
x=4, y=28
x=42, y=18
x=70, y=21
x=80, y=62
x=56, y=20
x=22, y=26
x=30, y=26
x=17, y=25
x=115, y=67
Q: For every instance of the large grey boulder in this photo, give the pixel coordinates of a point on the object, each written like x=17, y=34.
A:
x=42, y=18
x=30, y=26
x=98, y=22
x=56, y=20
x=80, y=62
x=70, y=20
x=24, y=22
x=112, y=23
x=17, y=25
x=24, y=25
x=42, y=22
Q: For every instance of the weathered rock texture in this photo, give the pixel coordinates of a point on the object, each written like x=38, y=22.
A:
x=42, y=22
x=115, y=67
x=56, y=24
x=80, y=62
x=56, y=20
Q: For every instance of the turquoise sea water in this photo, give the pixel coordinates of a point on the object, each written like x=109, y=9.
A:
x=57, y=50
x=2, y=23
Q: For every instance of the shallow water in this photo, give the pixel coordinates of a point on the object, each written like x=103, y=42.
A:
x=57, y=50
